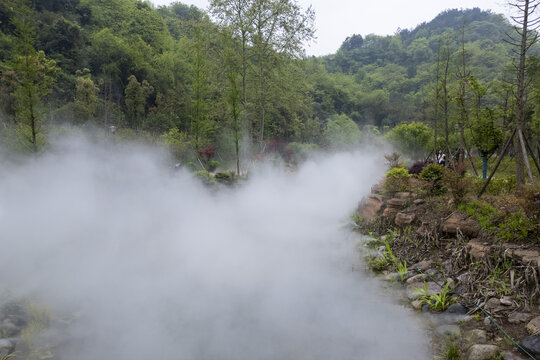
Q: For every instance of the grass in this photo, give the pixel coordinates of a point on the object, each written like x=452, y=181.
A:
x=451, y=351
x=439, y=302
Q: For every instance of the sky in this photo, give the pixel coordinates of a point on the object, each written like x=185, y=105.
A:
x=337, y=19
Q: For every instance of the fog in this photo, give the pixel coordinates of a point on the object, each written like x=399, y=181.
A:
x=160, y=267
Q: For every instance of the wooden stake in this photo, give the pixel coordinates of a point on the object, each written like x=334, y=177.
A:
x=525, y=156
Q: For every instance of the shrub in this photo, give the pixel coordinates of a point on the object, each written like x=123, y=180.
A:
x=397, y=179
x=225, y=177
x=515, y=226
x=497, y=186
x=481, y=211
x=434, y=175
x=417, y=167
x=458, y=184
x=205, y=176
x=392, y=160
x=213, y=165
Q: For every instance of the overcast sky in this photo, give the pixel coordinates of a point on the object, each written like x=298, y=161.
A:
x=337, y=19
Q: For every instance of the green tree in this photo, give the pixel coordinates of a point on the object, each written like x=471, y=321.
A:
x=486, y=136
x=36, y=74
x=341, y=132
x=136, y=98
x=413, y=139
x=86, y=96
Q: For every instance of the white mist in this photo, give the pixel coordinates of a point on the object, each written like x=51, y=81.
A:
x=162, y=268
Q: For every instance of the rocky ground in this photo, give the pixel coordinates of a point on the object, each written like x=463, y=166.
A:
x=492, y=290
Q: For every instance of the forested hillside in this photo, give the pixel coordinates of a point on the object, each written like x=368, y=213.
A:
x=234, y=76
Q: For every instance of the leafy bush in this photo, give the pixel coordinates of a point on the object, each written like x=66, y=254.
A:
x=434, y=175
x=417, y=167
x=456, y=181
x=481, y=211
x=225, y=177
x=213, y=165
x=413, y=138
x=205, y=176
x=392, y=160
x=497, y=186
x=514, y=227
x=397, y=179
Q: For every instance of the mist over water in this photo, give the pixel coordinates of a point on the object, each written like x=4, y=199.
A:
x=160, y=267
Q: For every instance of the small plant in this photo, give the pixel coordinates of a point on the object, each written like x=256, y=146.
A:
x=205, y=176
x=451, y=350
x=392, y=160
x=439, y=302
x=213, y=165
x=402, y=269
x=397, y=179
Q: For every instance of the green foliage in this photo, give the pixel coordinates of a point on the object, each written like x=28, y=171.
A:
x=439, y=302
x=205, y=177
x=481, y=211
x=497, y=185
x=178, y=144
x=451, y=350
x=341, y=132
x=413, y=139
x=456, y=181
x=397, y=179
x=515, y=227
x=213, y=165
x=433, y=174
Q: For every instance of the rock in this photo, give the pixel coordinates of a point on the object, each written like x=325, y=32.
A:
x=526, y=256
x=7, y=346
x=478, y=250
x=451, y=283
x=397, y=276
x=447, y=331
x=9, y=329
x=506, y=301
x=377, y=189
x=463, y=277
x=447, y=265
x=457, y=309
x=533, y=327
x=417, y=304
x=423, y=230
x=403, y=219
x=459, y=222
x=482, y=352
x=519, y=318
x=475, y=336
x=403, y=195
x=390, y=213
x=395, y=203
x=492, y=303
x=412, y=293
x=418, y=278
x=489, y=325
x=532, y=345
x=422, y=265
x=370, y=207
x=419, y=201
x=512, y=356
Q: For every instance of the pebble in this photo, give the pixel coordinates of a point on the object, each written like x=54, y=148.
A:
x=417, y=278
x=476, y=336
x=457, y=309
x=506, y=301
x=7, y=346
x=518, y=318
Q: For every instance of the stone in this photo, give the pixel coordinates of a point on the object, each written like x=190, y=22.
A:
x=532, y=345
x=390, y=213
x=9, y=329
x=377, y=189
x=475, y=336
x=7, y=346
x=482, y=352
x=507, y=301
x=457, y=309
x=412, y=293
x=458, y=222
x=418, y=278
x=463, y=277
x=422, y=265
x=512, y=356
x=492, y=303
x=397, y=276
x=526, y=256
x=519, y=318
x=395, y=203
x=417, y=304
x=371, y=207
x=447, y=331
x=403, y=195
x=419, y=201
x=403, y=219
x=489, y=325
x=477, y=250
x=533, y=327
